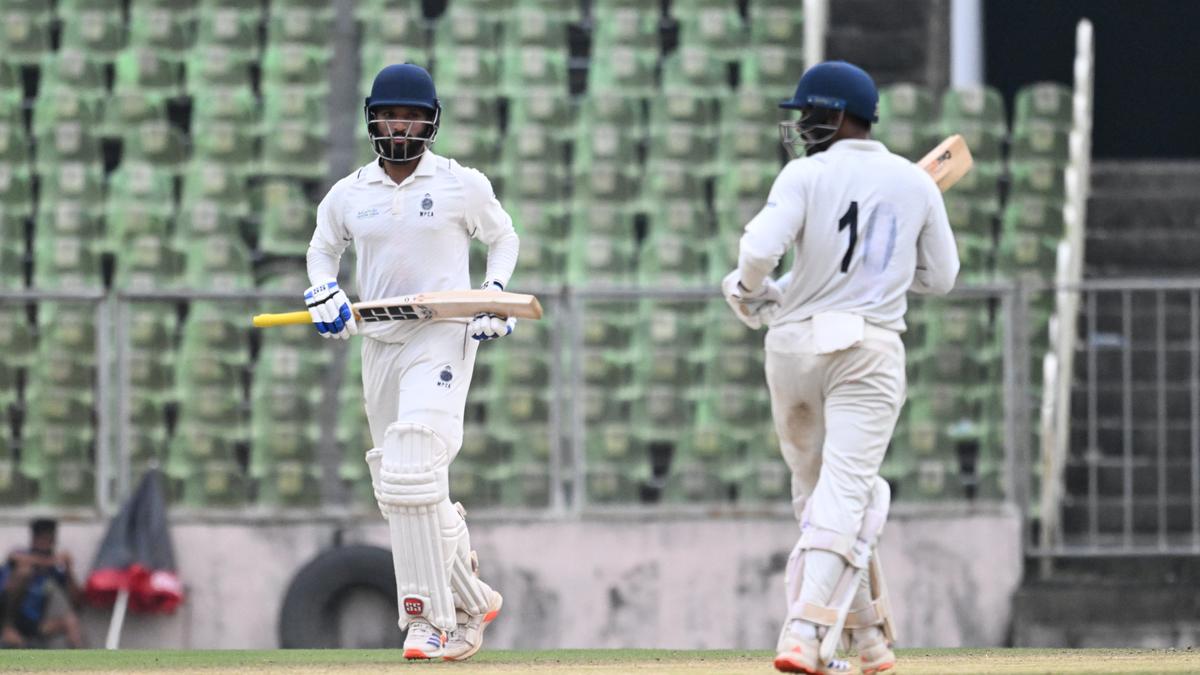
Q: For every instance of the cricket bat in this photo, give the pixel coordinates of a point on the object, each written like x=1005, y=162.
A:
x=431, y=305
x=948, y=162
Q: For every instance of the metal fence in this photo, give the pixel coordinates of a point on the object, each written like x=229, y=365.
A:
x=1128, y=484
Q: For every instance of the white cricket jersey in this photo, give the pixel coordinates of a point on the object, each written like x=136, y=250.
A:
x=413, y=237
x=867, y=226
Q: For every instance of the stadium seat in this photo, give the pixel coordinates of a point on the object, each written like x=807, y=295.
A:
x=290, y=484
x=158, y=143
x=130, y=108
x=672, y=259
x=1040, y=139
x=287, y=218
x=65, y=263
x=299, y=24
x=783, y=26
x=221, y=65
x=400, y=24
x=529, y=24
x=295, y=64
x=97, y=31
x=461, y=69
x=627, y=69
x=1037, y=177
x=1029, y=213
x=907, y=101
x=716, y=28
x=73, y=181
x=772, y=69
x=168, y=31
x=303, y=102
x=1044, y=101
x=148, y=262
x=76, y=69
x=26, y=34
x=634, y=25
x=67, y=483
x=213, y=483
x=465, y=26
x=145, y=70
x=232, y=27
x=218, y=264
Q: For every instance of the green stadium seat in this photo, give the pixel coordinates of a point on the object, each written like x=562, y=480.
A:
x=1032, y=214
x=219, y=183
x=145, y=70
x=628, y=70
x=131, y=108
x=783, y=26
x=596, y=258
x=293, y=484
x=65, y=263
x=376, y=56
x=299, y=24
x=1037, y=177
x=13, y=488
x=526, y=67
x=287, y=218
x=907, y=101
x=60, y=406
x=529, y=24
x=460, y=68
x=1043, y=101
x=693, y=68
x=304, y=102
x=982, y=104
x=74, y=68
x=1040, y=139
x=168, y=31
x=548, y=107
x=634, y=25
x=1027, y=251
x=12, y=272
x=463, y=25
x=71, y=181
x=717, y=28
x=617, y=182
x=218, y=264
x=148, y=262
x=296, y=64
x=67, y=483
x=226, y=142
x=60, y=103
x=526, y=180
x=99, y=32
x=67, y=6
x=68, y=218
x=614, y=483
x=68, y=141
x=910, y=139
x=672, y=259
x=970, y=214
x=26, y=34
x=14, y=143
x=221, y=65
x=158, y=143
x=398, y=25
x=213, y=483
x=231, y=104
x=231, y=26
x=772, y=69
x=742, y=191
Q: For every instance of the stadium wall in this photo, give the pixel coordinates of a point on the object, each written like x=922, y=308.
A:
x=607, y=581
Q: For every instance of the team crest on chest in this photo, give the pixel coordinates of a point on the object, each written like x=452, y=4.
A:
x=445, y=377
x=426, y=207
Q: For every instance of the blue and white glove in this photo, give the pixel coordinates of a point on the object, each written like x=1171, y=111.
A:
x=488, y=326
x=330, y=310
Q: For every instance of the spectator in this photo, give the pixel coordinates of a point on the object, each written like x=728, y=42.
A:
x=38, y=593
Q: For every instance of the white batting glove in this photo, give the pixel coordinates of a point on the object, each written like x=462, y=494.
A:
x=488, y=326
x=330, y=310
x=753, y=308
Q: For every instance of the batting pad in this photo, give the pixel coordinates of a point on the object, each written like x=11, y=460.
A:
x=471, y=595
x=413, y=485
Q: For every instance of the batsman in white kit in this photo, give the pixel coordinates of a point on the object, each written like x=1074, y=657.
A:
x=867, y=226
x=411, y=215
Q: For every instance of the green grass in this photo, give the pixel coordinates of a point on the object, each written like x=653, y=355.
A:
x=912, y=661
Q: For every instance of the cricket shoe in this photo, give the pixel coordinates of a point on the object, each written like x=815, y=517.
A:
x=873, y=649
x=424, y=641
x=467, y=636
x=797, y=650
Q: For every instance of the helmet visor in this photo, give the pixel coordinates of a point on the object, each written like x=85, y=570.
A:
x=811, y=133
x=401, y=138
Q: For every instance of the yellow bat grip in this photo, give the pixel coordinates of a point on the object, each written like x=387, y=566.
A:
x=285, y=319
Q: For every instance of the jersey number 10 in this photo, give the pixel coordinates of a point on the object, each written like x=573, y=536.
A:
x=850, y=220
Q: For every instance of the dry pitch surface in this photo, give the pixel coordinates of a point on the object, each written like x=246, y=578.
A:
x=912, y=661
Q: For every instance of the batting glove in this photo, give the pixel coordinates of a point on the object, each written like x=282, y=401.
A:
x=330, y=310
x=753, y=308
x=488, y=326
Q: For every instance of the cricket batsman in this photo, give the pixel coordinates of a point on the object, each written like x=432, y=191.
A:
x=411, y=215
x=867, y=226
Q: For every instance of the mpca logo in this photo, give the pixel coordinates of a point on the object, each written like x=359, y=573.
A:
x=445, y=377
x=427, y=206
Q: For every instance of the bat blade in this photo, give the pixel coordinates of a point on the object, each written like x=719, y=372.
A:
x=948, y=162
x=424, y=306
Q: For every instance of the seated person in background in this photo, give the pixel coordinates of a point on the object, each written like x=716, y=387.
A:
x=38, y=593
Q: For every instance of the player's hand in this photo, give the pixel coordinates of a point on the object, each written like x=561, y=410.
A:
x=488, y=326
x=752, y=307
x=330, y=310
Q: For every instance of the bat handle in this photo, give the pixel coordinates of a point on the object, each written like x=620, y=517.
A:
x=285, y=319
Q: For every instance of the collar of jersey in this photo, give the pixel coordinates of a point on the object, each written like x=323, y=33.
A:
x=373, y=173
x=868, y=144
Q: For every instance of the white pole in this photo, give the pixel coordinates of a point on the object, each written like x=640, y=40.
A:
x=118, y=619
x=816, y=18
x=966, y=43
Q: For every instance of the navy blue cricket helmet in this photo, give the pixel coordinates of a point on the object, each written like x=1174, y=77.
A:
x=403, y=84
x=825, y=92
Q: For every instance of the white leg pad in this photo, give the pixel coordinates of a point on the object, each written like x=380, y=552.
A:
x=413, y=483
x=375, y=464
x=871, y=605
x=470, y=594
x=828, y=603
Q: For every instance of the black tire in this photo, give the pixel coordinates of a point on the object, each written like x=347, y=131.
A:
x=309, y=617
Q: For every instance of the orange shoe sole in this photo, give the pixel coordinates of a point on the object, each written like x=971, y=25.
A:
x=415, y=654
x=879, y=669
x=784, y=664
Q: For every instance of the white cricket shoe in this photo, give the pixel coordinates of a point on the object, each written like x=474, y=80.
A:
x=798, y=651
x=467, y=636
x=872, y=647
x=424, y=641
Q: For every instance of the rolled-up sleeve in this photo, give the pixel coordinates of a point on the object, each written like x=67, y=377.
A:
x=772, y=231
x=329, y=240
x=487, y=221
x=937, y=254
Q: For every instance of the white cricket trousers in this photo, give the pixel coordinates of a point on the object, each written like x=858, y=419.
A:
x=834, y=414
x=423, y=379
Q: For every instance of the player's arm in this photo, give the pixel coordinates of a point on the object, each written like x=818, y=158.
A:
x=769, y=234
x=937, y=254
x=488, y=222
x=327, y=303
